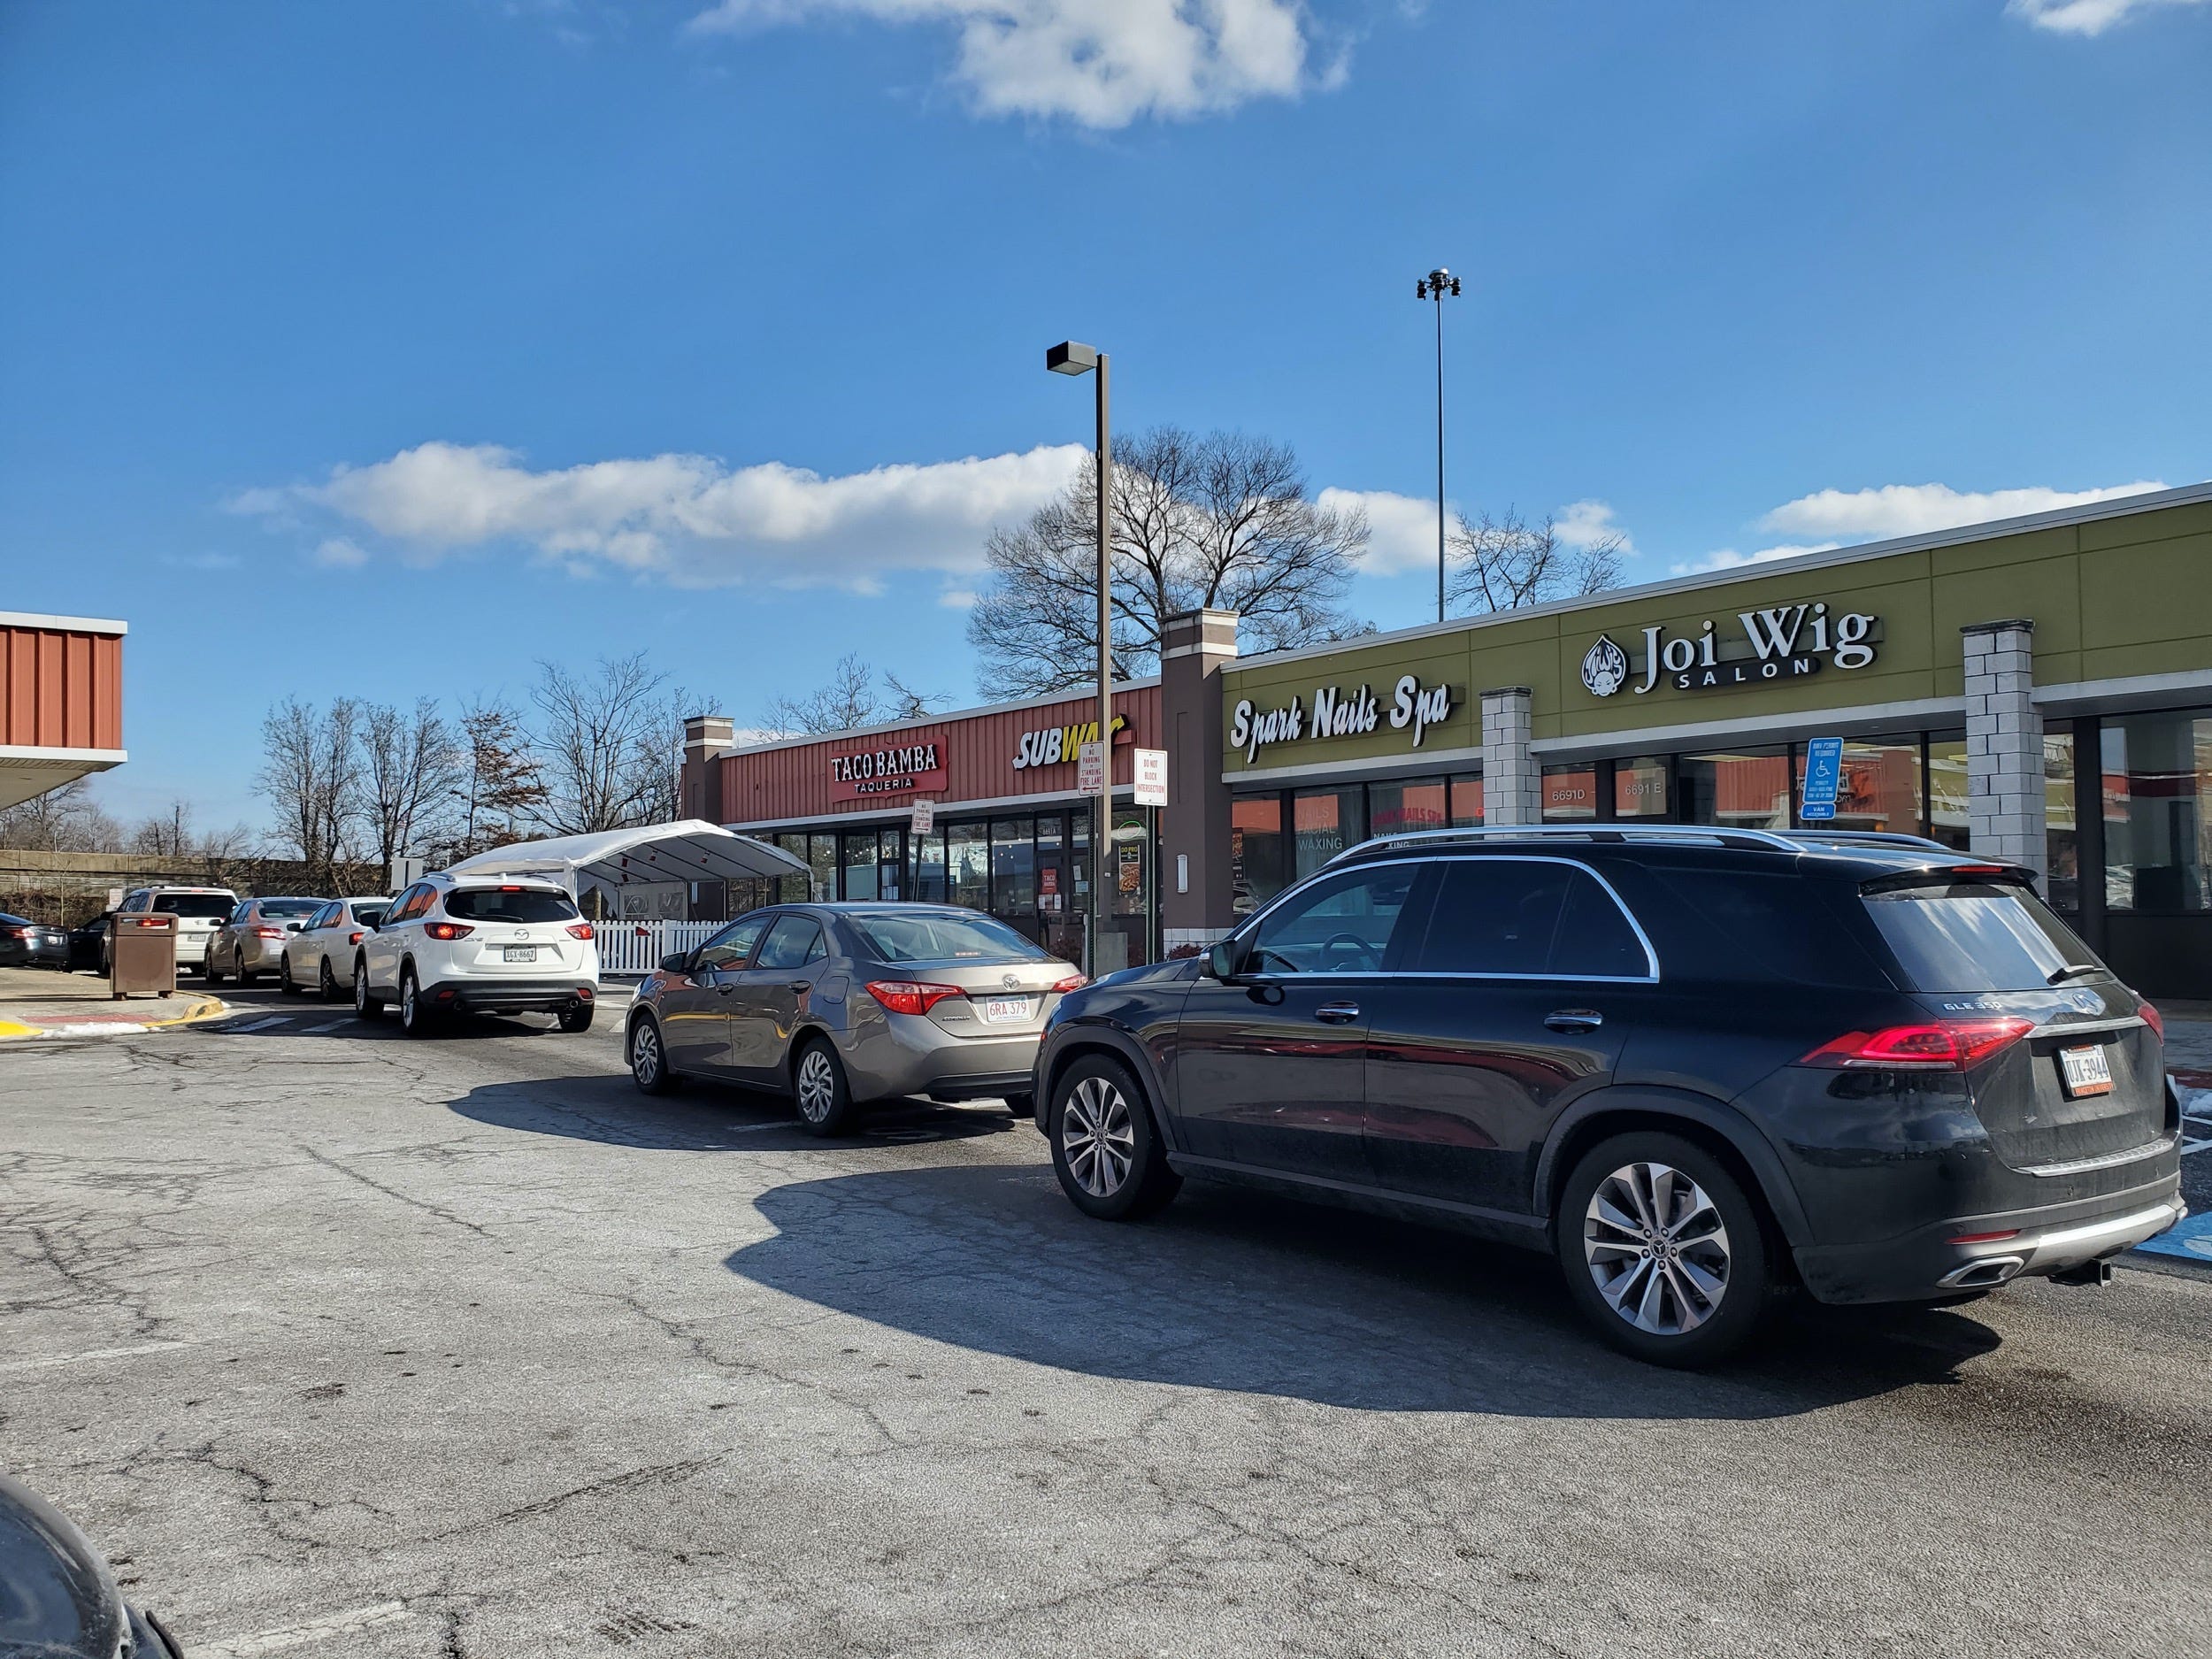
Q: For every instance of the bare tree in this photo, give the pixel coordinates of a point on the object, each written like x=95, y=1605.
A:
x=311, y=774
x=1504, y=564
x=908, y=703
x=62, y=820
x=847, y=701
x=499, y=788
x=1222, y=520
x=606, y=745
x=167, y=834
x=410, y=768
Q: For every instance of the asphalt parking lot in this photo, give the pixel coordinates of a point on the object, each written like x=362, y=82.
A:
x=344, y=1343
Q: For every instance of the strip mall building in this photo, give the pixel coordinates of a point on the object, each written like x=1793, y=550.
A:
x=2038, y=689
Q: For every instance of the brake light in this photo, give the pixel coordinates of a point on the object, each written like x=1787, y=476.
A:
x=268, y=932
x=911, y=996
x=151, y=921
x=1979, y=870
x=581, y=930
x=353, y=938
x=448, y=930
x=1987, y=1238
x=2155, y=1020
x=15, y=933
x=1074, y=982
x=1943, y=1045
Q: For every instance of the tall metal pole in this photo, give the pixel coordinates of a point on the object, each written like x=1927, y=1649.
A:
x=1103, y=820
x=1439, y=454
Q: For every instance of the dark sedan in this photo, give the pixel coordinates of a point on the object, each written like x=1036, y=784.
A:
x=58, y=1598
x=25, y=943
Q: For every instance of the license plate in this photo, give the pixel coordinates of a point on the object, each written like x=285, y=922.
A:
x=522, y=953
x=1003, y=1010
x=2085, y=1071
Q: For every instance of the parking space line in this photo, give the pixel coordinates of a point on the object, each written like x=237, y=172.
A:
x=263, y=1025
x=360, y=1618
x=49, y=1360
x=330, y=1025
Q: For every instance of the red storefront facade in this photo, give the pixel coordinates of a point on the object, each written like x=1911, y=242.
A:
x=61, y=700
x=1010, y=834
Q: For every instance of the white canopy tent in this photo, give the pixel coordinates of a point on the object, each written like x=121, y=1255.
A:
x=690, y=850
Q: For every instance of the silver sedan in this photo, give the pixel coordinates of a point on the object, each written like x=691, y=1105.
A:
x=841, y=1004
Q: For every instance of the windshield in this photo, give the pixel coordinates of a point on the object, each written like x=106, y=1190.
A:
x=1977, y=936
x=284, y=909
x=212, y=904
x=927, y=936
x=509, y=904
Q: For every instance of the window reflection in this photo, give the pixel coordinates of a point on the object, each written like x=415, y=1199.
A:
x=2157, y=774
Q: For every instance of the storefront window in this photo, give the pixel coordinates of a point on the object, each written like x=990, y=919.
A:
x=752, y=894
x=968, y=864
x=859, y=857
x=1255, y=851
x=1130, y=869
x=1571, y=793
x=1947, y=819
x=791, y=889
x=927, y=879
x=1640, y=786
x=1880, y=787
x=1467, y=801
x=1750, y=790
x=1393, y=809
x=2062, y=844
x=1013, y=868
x=2157, y=841
x=821, y=858
x=1324, y=823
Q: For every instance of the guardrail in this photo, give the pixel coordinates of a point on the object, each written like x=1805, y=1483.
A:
x=633, y=947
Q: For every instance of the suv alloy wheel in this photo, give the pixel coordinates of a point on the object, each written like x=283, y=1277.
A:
x=414, y=1018
x=1105, y=1149
x=365, y=1003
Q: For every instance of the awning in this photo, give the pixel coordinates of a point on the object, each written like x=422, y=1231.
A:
x=691, y=849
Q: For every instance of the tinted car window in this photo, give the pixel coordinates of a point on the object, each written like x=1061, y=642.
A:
x=1736, y=924
x=1341, y=925
x=920, y=936
x=210, y=905
x=730, y=947
x=1521, y=916
x=287, y=909
x=368, y=915
x=793, y=942
x=509, y=904
x=1975, y=936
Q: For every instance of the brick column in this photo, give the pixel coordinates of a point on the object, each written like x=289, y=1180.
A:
x=2004, y=743
x=707, y=738
x=1196, y=901
x=1512, y=787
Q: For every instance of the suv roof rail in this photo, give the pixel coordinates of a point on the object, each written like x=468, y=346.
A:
x=1709, y=834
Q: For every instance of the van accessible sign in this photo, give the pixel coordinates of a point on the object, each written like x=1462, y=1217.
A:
x=1785, y=642
x=1337, y=712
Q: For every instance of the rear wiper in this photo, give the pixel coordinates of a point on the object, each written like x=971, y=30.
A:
x=2072, y=971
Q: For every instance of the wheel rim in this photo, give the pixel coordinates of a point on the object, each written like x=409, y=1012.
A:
x=645, y=1056
x=360, y=987
x=407, y=999
x=1098, y=1136
x=329, y=979
x=1658, y=1250
x=817, y=1085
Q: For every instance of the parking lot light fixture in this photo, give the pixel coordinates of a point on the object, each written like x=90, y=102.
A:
x=1072, y=356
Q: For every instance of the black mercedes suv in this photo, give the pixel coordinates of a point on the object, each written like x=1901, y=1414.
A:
x=1704, y=1067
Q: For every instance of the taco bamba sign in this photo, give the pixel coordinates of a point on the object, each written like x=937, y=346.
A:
x=1784, y=642
x=1336, y=712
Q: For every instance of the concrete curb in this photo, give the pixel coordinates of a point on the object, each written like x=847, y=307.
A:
x=198, y=1009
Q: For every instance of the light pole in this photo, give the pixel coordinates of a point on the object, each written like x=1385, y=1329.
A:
x=1069, y=357
x=1435, y=286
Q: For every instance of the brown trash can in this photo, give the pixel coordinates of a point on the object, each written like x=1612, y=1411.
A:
x=142, y=955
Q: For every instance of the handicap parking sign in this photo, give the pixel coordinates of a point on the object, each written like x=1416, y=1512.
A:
x=1823, y=778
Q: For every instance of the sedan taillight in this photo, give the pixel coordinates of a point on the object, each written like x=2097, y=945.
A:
x=268, y=932
x=449, y=930
x=581, y=930
x=15, y=933
x=911, y=996
x=1942, y=1045
x=1074, y=982
x=353, y=938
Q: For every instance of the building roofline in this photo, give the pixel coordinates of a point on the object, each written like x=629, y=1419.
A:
x=2117, y=507
x=62, y=624
x=924, y=722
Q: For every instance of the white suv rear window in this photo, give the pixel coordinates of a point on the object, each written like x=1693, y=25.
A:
x=509, y=904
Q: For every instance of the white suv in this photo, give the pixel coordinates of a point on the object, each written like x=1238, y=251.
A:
x=450, y=945
x=199, y=912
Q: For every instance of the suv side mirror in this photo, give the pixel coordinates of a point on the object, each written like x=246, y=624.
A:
x=1225, y=960
x=680, y=962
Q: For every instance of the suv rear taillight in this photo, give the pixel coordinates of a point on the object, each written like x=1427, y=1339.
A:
x=579, y=930
x=911, y=996
x=1942, y=1045
x=449, y=930
x=2155, y=1020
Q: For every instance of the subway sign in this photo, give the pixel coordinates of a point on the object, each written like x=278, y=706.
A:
x=1058, y=745
x=1783, y=642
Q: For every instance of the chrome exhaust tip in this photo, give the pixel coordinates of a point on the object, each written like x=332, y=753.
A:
x=1979, y=1275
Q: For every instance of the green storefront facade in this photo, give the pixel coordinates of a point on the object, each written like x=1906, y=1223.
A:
x=2038, y=689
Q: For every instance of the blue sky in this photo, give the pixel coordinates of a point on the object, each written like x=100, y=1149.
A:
x=379, y=348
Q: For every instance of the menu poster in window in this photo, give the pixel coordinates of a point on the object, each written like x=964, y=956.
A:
x=1132, y=871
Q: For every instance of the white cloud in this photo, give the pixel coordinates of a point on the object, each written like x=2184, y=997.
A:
x=1893, y=509
x=1728, y=558
x=1401, y=529
x=966, y=598
x=686, y=519
x=1583, y=524
x=2084, y=16
x=1100, y=63
x=201, y=561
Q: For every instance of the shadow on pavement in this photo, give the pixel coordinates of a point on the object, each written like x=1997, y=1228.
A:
x=703, y=1118
x=1244, y=1290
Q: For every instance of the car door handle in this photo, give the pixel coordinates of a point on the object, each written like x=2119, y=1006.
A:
x=800, y=986
x=725, y=987
x=1337, y=1013
x=1575, y=1019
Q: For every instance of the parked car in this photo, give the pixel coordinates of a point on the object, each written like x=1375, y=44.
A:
x=89, y=942
x=842, y=1005
x=322, y=953
x=252, y=943
x=25, y=943
x=58, y=1596
x=450, y=946
x=1699, y=1066
x=200, y=912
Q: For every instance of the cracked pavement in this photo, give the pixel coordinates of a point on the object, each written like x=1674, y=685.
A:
x=338, y=1342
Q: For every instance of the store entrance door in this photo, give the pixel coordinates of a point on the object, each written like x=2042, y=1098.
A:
x=1059, y=923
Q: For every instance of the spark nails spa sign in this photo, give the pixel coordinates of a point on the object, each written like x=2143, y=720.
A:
x=1337, y=712
x=1784, y=642
x=873, y=771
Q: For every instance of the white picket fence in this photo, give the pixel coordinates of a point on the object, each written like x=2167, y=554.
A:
x=638, y=947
